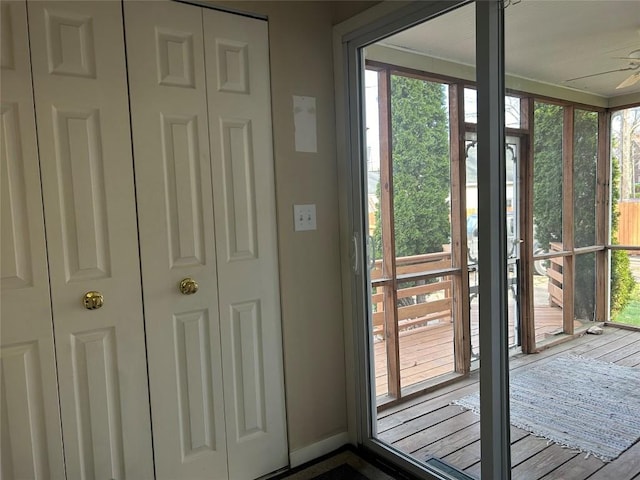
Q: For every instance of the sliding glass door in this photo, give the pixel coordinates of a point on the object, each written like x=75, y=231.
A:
x=413, y=237
x=479, y=223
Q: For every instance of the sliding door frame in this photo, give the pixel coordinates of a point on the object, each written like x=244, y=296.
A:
x=350, y=38
x=495, y=442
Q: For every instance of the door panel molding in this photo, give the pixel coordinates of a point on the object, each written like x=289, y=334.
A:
x=239, y=191
x=246, y=242
x=31, y=435
x=83, y=202
x=16, y=252
x=82, y=112
x=181, y=154
x=177, y=237
x=193, y=364
x=97, y=403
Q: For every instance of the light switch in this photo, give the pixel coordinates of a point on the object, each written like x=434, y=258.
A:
x=304, y=217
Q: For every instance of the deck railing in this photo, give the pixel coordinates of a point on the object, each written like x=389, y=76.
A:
x=420, y=302
x=409, y=293
x=554, y=272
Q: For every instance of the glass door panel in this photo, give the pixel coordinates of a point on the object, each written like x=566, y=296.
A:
x=512, y=152
x=414, y=276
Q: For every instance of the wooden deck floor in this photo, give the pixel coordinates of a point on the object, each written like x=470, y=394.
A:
x=427, y=352
x=430, y=426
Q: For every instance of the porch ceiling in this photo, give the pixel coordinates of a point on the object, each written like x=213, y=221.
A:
x=546, y=41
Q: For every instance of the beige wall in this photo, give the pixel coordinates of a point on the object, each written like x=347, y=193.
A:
x=300, y=41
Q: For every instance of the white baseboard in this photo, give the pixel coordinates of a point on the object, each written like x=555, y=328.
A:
x=315, y=450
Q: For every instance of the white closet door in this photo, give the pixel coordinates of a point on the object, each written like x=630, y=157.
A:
x=237, y=63
x=87, y=179
x=173, y=181
x=29, y=412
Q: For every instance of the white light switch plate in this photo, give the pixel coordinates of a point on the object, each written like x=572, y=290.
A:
x=304, y=217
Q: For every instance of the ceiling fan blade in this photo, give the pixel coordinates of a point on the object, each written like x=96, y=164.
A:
x=630, y=80
x=602, y=73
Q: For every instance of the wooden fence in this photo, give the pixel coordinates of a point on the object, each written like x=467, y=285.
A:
x=629, y=223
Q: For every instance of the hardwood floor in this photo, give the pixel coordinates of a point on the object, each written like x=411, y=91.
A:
x=427, y=352
x=430, y=426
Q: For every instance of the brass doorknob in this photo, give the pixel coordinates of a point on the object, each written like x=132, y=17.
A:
x=92, y=300
x=188, y=286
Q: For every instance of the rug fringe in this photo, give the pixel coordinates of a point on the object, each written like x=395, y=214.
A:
x=551, y=441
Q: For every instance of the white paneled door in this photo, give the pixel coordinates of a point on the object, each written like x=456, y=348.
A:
x=31, y=442
x=91, y=388
x=82, y=111
x=237, y=65
x=201, y=120
x=173, y=179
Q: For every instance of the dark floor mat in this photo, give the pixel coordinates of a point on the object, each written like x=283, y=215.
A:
x=341, y=472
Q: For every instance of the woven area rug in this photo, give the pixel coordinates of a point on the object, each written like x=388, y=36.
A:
x=577, y=402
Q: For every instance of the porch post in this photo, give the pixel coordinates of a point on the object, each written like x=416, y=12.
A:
x=461, y=315
x=603, y=212
x=494, y=361
x=568, y=241
x=391, y=338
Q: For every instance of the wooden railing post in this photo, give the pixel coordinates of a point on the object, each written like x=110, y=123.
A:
x=460, y=299
x=603, y=212
x=567, y=219
x=388, y=244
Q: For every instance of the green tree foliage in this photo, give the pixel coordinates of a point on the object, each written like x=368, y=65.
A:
x=547, y=184
x=548, y=121
x=421, y=173
x=585, y=155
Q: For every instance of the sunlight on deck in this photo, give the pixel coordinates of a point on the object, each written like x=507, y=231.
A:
x=427, y=352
